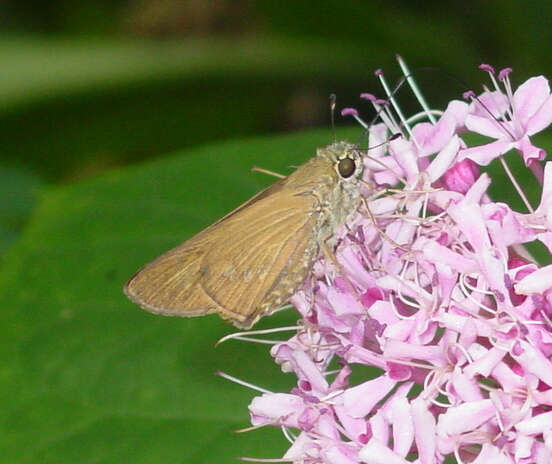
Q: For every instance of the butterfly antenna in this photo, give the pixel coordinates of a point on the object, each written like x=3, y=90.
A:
x=333, y=99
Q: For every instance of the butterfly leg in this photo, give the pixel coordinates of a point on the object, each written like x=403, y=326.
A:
x=380, y=231
x=331, y=257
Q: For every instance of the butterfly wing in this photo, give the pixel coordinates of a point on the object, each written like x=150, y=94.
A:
x=262, y=256
x=245, y=265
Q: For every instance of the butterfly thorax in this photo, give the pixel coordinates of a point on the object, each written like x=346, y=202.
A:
x=335, y=196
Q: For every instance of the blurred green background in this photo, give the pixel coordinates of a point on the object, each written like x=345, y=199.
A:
x=125, y=126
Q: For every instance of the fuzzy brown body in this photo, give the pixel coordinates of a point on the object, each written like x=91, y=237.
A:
x=250, y=262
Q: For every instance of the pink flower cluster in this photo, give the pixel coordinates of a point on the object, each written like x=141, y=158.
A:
x=437, y=292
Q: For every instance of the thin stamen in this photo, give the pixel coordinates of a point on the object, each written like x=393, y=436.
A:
x=246, y=459
x=470, y=297
x=287, y=433
x=516, y=184
x=396, y=107
x=387, y=117
x=415, y=89
x=238, y=335
x=253, y=427
x=243, y=382
x=423, y=115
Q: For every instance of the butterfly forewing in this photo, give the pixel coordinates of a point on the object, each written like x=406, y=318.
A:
x=247, y=272
x=245, y=265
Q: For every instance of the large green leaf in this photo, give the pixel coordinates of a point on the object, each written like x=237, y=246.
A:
x=17, y=195
x=88, y=377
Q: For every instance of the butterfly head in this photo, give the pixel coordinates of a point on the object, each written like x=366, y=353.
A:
x=346, y=159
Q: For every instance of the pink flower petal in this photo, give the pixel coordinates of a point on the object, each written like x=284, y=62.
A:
x=530, y=96
x=545, y=206
x=403, y=427
x=443, y=161
x=466, y=388
x=272, y=407
x=358, y=354
x=424, y=428
x=486, y=125
x=432, y=138
x=507, y=378
x=484, y=154
x=344, y=303
x=523, y=447
x=541, y=119
x=491, y=454
x=539, y=281
x=405, y=155
x=377, y=138
x=437, y=253
x=395, y=349
x=465, y=417
x=338, y=455
x=360, y=400
x=349, y=259
x=461, y=176
x=536, y=424
x=485, y=364
x=477, y=191
x=300, y=448
x=542, y=453
x=386, y=171
x=375, y=452
x=533, y=361
x=529, y=151
x=379, y=427
x=475, y=229
x=459, y=110
x=354, y=426
x=490, y=105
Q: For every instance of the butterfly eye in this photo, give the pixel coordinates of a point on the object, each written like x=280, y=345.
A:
x=346, y=167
